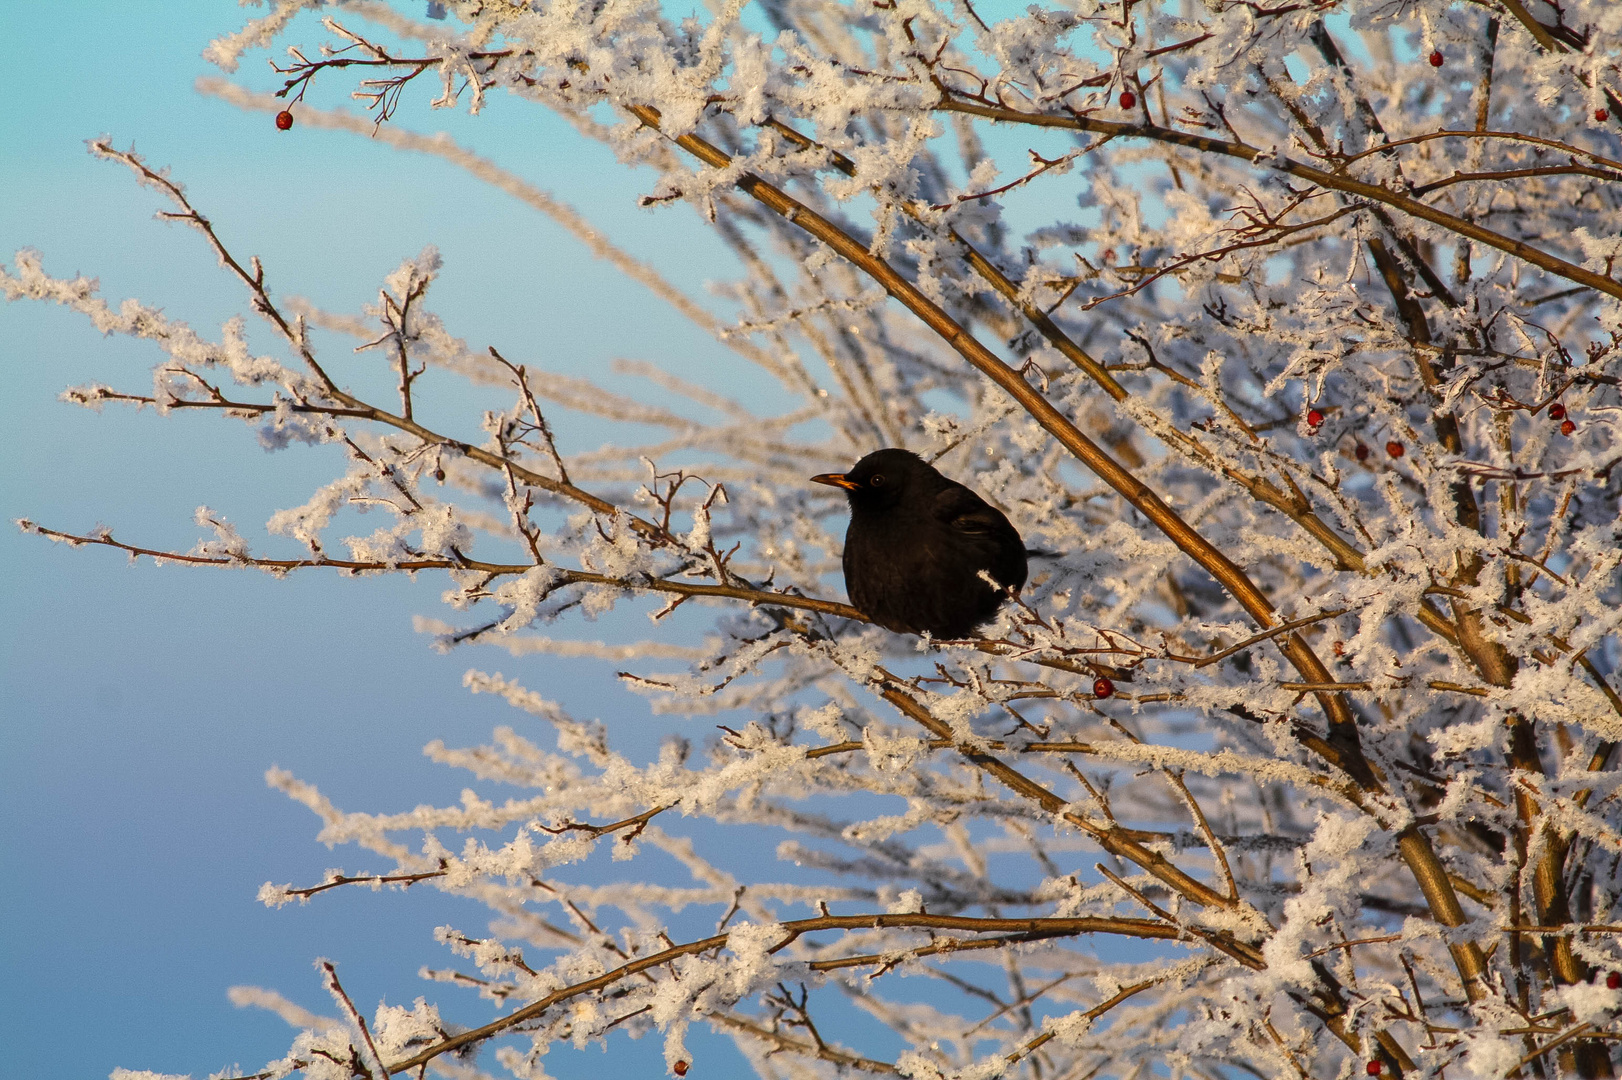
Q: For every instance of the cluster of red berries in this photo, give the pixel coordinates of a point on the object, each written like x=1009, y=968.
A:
x=1128, y=99
x=1557, y=411
x=1394, y=448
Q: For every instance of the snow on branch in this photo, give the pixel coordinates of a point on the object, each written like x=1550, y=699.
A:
x=1289, y=339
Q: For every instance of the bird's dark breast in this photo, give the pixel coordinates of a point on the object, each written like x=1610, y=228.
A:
x=915, y=575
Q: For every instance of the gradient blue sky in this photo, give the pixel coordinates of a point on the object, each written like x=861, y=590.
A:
x=140, y=706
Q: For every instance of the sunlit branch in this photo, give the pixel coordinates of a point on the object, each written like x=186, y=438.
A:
x=1331, y=180
x=1018, y=929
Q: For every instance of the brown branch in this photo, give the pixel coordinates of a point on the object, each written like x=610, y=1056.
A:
x=364, y=879
x=1043, y=166
x=1334, y=181
x=1107, y=835
x=1204, y=826
x=1247, y=955
x=1327, y=949
x=1541, y=34
x=1275, y=233
x=1515, y=174
x=818, y=1050
x=1507, y=136
x=1484, y=88
x=1207, y=661
x=1322, y=687
x=1021, y=929
x=1568, y=1035
x=373, y=1062
x=429, y=562
x=889, y=961
x=636, y=823
x=1338, y=787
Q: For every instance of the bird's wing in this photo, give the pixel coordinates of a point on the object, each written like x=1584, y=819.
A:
x=964, y=511
x=984, y=536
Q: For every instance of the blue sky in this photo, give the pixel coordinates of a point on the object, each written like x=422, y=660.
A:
x=140, y=706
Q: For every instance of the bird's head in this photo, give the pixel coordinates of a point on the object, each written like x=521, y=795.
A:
x=880, y=479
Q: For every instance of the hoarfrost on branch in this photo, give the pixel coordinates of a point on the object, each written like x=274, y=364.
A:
x=1296, y=757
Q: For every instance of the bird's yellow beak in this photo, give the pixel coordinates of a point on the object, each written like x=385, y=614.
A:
x=833, y=479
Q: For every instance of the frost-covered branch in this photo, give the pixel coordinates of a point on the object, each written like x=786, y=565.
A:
x=1302, y=392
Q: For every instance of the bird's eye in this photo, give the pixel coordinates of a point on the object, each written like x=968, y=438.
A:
x=877, y=481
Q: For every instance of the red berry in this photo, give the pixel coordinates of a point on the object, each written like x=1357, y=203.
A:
x=1128, y=99
x=1436, y=58
x=1601, y=115
x=1394, y=448
x=1103, y=688
x=1314, y=417
x=1362, y=452
x=1557, y=411
x=284, y=120
x=680, y=1068
x=1613, y=981
x=1568, y=427
x=1340, y=648
x=1372, y=1068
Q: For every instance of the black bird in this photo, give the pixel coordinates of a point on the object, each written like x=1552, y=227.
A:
x=917, y=544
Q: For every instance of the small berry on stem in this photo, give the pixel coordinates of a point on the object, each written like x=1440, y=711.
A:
x=1102, y=687
x=1314, y=418
x=1567, y=427
x=1557, y=411
x=1394, y=448
x=1437, y=59
x=1373, y=1068
x=284, y=120
x=1362, y=452
x=1128, y=99
x=1613, y=981
x=1602, y=115
x=680, y=1068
